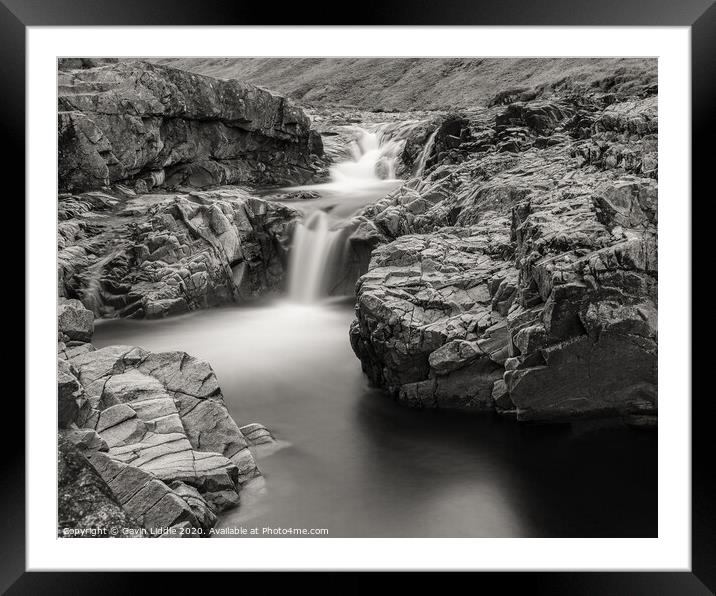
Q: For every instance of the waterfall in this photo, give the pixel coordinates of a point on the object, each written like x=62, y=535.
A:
x=322, y=262
x=425, y=155
x=319, y=242
x=91, y=294
x=313, y=243
x=373, y=160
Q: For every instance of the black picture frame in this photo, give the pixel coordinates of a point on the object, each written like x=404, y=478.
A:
x=699, y=15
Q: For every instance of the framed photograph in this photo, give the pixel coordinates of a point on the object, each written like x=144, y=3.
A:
x=393, y=295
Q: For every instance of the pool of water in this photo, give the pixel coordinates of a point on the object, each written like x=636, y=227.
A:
x=358, y=464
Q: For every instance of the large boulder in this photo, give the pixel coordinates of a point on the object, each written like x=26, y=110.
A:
x=131, y=430
x=155, y=428
x=164, y=413
x=521, y=277
x=152, y=125
x=422, y=308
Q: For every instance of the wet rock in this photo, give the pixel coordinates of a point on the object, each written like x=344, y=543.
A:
x=616, y=375
x=257, y=434
x=164, y=413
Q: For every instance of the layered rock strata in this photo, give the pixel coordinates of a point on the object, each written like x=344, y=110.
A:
x=150, y=126
x=519, y=273
x=146, y=440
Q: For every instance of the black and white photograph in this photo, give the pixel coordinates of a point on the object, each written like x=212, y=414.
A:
x=357, y=297
x=403, y=291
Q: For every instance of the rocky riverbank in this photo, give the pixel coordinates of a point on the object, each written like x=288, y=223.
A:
x=513, y=271
x=516, y=271
x=145, y=440
x=136, y=236
x=149, y=126
x=149, y=256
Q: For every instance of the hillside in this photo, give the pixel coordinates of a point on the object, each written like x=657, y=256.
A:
x=418, y=83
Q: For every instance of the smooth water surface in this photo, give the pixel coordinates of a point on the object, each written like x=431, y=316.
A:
x=358, y=464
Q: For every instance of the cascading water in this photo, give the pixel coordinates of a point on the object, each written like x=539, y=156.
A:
x=92, y=293
x=319, y=240
x=373, y=160
x=313, y=244
x=425, y=155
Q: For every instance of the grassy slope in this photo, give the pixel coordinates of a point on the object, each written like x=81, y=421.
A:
x=417, y=83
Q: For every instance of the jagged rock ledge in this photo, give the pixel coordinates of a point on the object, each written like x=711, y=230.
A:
x=162, y=254
x=146, y=442
x=150, y=126
x=518, y=272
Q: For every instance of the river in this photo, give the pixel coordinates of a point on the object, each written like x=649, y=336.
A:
x=358, y=464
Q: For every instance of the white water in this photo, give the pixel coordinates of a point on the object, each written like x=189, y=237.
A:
x=313, y=243
x=373, y=160
x=317, y=241
x=427, y=150
x=91, y=295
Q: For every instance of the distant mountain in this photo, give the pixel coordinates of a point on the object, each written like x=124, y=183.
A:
x=423, y=83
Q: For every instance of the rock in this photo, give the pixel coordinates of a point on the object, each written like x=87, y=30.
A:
x=114, y=416
x=453, y=355
x=298, y=195
x=540, y=116
x=85, y=501
x=199, y=507
x=155, y=125
x=74, y=321
x=85, y=439
x=185, y=252
x=70, y=395
x=613, y=376
x=143, y=496
x=257, y=434
x=164, y=413
x=425, y=146
x=501, y=397
x=146, y=421
x=420, y=294
x=519, y=272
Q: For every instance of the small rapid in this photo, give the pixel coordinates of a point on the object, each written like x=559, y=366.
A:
x=316, y=262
